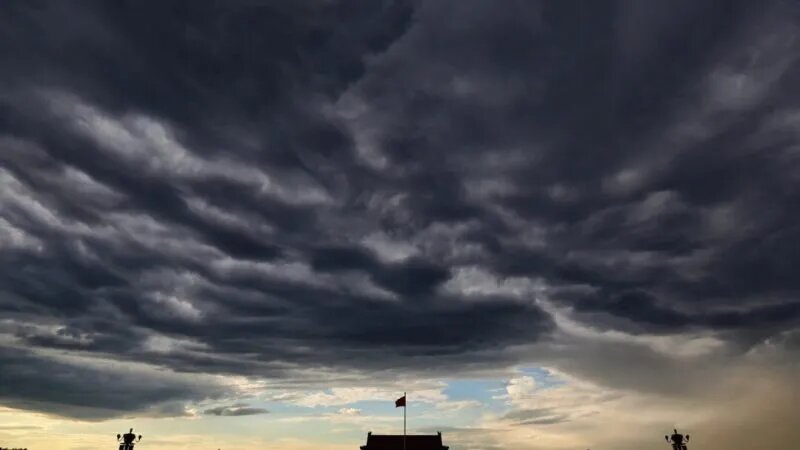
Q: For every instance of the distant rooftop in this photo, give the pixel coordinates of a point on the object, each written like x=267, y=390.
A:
x=413, y=442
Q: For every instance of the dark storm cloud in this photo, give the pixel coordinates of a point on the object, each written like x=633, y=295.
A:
x=412, y=277
x=72, y=388
x=251, y=189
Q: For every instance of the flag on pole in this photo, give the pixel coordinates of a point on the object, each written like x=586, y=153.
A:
x=398, y=403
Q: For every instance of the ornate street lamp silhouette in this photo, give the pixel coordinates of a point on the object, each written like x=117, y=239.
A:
x=677, y=440
x=128, y=440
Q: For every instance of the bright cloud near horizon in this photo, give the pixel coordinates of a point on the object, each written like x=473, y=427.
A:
x=245, y=224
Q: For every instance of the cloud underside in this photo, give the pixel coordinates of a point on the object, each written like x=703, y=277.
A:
x=235, y=410
x=426, y=187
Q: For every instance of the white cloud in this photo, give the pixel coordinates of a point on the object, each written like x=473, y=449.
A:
x=458, y=405
x=520, y=388
x=349, y=411
x=349, y=395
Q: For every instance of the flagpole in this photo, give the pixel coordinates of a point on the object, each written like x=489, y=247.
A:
x=405, y=408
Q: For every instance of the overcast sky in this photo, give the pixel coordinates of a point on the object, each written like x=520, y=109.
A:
x=556, y=225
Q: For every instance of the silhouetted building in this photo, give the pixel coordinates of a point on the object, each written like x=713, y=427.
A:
x=412, y=442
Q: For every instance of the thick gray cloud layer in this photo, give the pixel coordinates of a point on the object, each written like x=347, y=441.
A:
x=92, y=392
x=253, y=189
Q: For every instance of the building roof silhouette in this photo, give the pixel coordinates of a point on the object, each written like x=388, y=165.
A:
x=412, y=442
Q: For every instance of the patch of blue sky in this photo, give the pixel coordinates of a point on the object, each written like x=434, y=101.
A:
x=480, y=390
x=484, y=391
